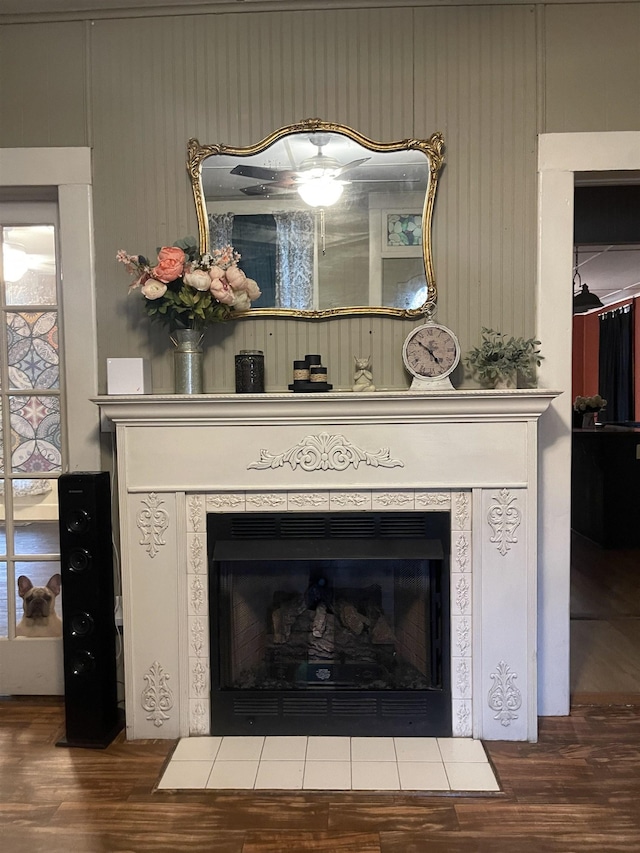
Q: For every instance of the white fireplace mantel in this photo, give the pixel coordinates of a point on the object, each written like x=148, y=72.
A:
x=473, y=453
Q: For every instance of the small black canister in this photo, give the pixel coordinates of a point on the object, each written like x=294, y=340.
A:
x=250, y=371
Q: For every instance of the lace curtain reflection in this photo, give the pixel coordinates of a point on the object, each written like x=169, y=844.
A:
x=294, y=259
x=220, y=230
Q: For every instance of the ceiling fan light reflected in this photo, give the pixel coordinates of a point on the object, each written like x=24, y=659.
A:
x=584, y=301
x=15, y=262
x=322, y=191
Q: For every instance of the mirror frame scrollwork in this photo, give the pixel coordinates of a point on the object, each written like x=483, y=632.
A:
x=432, y=148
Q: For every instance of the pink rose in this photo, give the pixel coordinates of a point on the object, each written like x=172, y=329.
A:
x=252, y=290
x=236, y=278
x=216, y=273
x=221, y=291
x=170, y=264
x=198, y=280
x=241, y=301
x=154, y=289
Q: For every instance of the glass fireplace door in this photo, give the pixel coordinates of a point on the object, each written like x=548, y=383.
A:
x=329, y=630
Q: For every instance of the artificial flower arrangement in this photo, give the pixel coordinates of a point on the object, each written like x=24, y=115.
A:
x=188, y=290
x=589, y=404
x=500, y=357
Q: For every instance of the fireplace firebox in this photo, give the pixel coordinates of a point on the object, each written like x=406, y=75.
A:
x=330, y=623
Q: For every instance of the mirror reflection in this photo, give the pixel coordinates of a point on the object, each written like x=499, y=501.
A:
x=326, y=221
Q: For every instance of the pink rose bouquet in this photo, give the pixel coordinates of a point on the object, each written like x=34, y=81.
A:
x=189, y=290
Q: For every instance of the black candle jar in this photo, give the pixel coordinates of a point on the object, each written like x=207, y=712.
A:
x=250, y=371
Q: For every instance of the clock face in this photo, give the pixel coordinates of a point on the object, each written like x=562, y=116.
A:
x=431, y=351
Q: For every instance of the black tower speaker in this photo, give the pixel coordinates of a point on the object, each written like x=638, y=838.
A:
x=88, y=623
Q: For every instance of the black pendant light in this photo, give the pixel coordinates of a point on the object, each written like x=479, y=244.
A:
x=583, y=299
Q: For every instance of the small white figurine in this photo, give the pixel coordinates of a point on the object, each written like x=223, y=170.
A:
x=362, y=377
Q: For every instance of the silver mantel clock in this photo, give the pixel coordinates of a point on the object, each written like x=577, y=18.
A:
x=431, y=353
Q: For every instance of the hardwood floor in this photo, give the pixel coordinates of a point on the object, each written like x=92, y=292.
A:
x=605, y=621
x=575, y=790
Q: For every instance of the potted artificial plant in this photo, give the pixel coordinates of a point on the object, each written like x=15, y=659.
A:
x=499, y=360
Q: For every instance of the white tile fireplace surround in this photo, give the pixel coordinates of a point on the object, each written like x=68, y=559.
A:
x=472, y=453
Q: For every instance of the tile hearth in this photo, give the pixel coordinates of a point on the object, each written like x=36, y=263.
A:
x=330, y=764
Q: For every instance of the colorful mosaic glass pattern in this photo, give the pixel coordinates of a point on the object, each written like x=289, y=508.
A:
x=32, y=348
x=404, y=229
x=36, y=441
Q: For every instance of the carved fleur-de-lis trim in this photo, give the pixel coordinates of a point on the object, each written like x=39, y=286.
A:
x=194, y=504
x=504, y=518
x=228, y=501
x=463, y=635
x=152, y=520
x=324, y=452
x=350, y=499
x=463, y=719
x=308, y=500
x=504, y=697
x=157, y=698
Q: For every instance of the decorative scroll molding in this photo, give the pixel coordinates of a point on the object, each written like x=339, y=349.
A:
x=157, y=698
x=324, y=452
x=194, y=502
x=198, y=596
x=199, y=679
x=463, y=678
x=462, y=548
x=224, y=501
x=196, y=552
x=199, y=723
x=442, y=499
x=463, y=720
x=270, y=501
x=463, y=635
x=461, y=514
x=350, y=499
x=463, y=595
x=504, y=697
x=392, y=499
x=504, y=519
x=152, y=520
x=198, y=637
x=305, y=499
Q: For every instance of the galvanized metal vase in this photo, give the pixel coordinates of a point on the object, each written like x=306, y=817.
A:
x=187, y=360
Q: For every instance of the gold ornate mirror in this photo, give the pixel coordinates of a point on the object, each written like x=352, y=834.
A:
x=327, y=221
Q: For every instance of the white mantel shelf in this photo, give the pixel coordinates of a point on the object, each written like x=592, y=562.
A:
x=471, y=453
x=338, y=407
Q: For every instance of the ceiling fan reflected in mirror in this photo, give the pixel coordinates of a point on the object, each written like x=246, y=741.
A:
x=317, y=180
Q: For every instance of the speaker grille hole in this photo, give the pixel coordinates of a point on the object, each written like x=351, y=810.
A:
x=82, y=663
x=82, y=624
x=78, y=560
x=77, y=520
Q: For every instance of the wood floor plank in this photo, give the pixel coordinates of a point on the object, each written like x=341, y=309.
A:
x=577, y=789
x=415, y=816
x=301, y=842
x=48, y=840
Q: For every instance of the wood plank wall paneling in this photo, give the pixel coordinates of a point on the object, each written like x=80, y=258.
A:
x=469, y=71
x=481, y=64
x=42, y=85
x=592, y=64
x=243, y=76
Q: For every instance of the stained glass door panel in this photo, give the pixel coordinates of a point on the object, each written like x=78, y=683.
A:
x=31, y=457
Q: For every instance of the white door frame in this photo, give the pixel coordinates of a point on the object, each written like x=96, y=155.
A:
x=560, y=155
x=68, y=172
